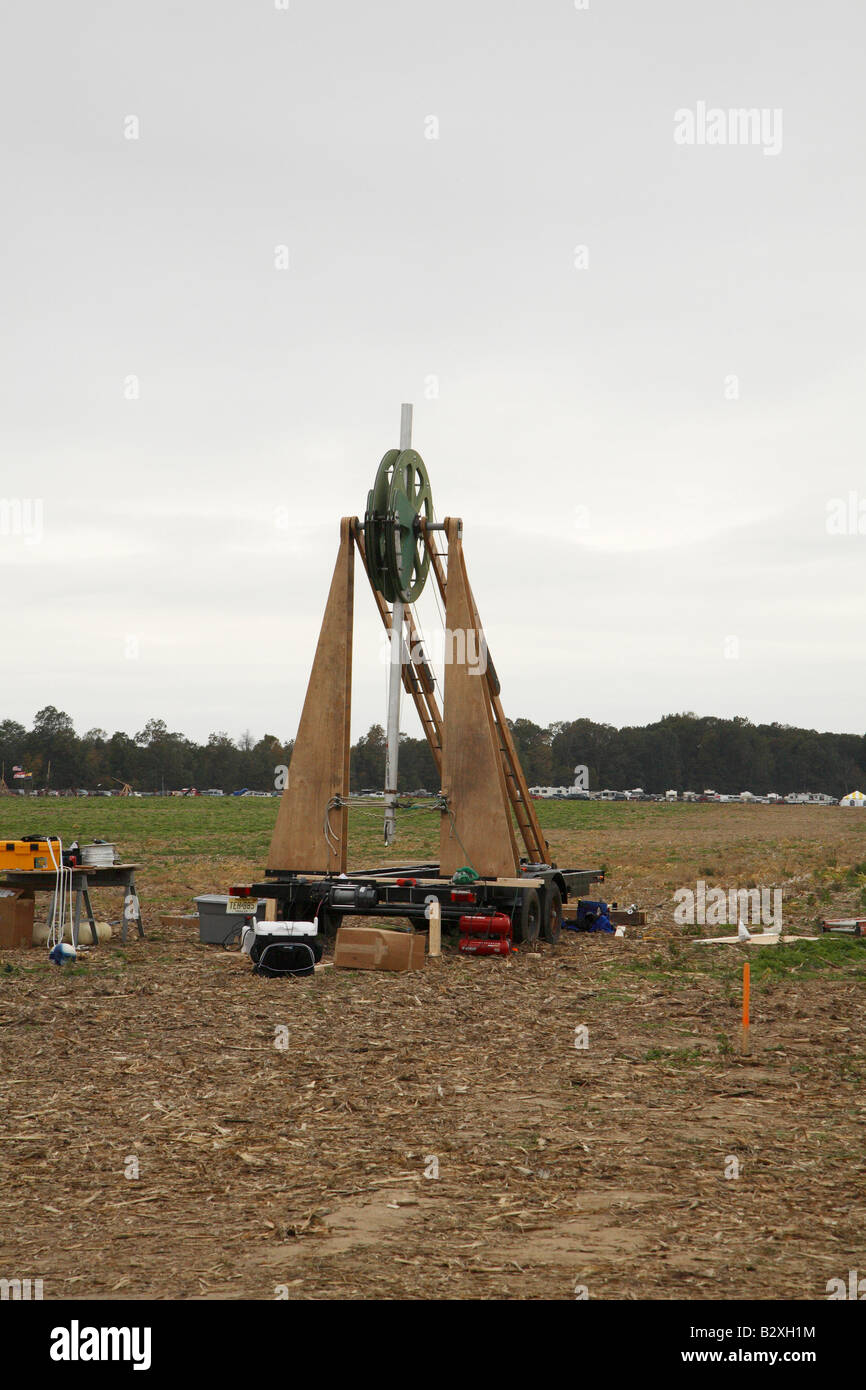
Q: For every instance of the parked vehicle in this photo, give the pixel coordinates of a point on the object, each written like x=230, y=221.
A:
x=810, y=799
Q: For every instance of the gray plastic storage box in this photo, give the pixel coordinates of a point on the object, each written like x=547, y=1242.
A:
x=216, y=925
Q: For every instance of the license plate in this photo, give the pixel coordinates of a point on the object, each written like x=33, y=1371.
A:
x=245, y=905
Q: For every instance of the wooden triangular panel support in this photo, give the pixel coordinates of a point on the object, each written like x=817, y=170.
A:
x=537, y=849
x=477, y=828
x=312, y=823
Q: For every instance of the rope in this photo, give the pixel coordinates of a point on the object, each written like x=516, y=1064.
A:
x=443, y=806
x=62, y=883
x=332, y=840
x=422, y=641
x=376, y=811
x=438, y=804
x=99, y=855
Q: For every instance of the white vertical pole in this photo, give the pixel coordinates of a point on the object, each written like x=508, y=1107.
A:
x=395, y=679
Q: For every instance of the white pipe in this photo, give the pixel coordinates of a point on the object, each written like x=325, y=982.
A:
x=395, y=677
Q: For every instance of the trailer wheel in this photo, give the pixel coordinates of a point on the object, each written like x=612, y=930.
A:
x=526, y=920
x=552, y=924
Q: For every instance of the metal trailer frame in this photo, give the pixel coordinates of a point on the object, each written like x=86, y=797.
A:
x=404, y=891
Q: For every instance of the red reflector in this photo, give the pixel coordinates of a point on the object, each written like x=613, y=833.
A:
x=462, y=895
x=242, y=890
x=407, y=882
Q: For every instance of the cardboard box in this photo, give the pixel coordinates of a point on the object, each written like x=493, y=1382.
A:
x=374, y=948
x=16, y=918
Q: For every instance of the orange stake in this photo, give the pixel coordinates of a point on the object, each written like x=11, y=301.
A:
x=746, y=1007
x=746, y=995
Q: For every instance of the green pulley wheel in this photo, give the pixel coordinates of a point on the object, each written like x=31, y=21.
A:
x=396, y=554
x=374, y=524
x=409, y=499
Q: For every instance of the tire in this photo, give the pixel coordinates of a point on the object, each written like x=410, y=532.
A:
x=526, y=919
x=551, y=926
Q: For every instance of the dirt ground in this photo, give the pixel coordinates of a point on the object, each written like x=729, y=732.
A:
x=438, y=1134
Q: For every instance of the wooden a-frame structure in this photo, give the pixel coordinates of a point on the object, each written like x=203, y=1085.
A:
x=485, y=800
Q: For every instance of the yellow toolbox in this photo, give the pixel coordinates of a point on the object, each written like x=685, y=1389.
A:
x=29, y=854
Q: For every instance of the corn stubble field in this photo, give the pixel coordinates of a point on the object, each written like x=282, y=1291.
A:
x=303, y=1170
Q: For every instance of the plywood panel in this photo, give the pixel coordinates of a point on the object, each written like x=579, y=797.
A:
x=319, y=769
x=481, y=833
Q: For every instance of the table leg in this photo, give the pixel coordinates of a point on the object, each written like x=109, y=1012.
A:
x=138, y=921
x=76, y=921
x=94, y=937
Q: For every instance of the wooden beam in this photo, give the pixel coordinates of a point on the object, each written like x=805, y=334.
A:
x=318, y=784
x=434, y=929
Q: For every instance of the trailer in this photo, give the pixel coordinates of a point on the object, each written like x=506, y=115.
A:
x=534, y=900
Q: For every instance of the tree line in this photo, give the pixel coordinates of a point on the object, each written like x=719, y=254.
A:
x=681, y=751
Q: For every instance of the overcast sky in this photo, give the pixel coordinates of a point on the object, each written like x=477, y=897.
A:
x=646, y=438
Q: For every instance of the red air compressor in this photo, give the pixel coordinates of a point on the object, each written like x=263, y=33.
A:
x=485, y=935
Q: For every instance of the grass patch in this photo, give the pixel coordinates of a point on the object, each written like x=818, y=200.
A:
x=676, y=1056
x=807, y=959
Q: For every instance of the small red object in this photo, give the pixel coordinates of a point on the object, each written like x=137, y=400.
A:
x=462, y=895
x=488, y=935
x=485, y=946
x=478, y=925
x=407, y=882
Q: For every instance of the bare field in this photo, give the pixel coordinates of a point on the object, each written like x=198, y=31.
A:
x=305, y=1167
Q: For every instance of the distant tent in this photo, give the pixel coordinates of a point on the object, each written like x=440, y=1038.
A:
x=853, y=799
